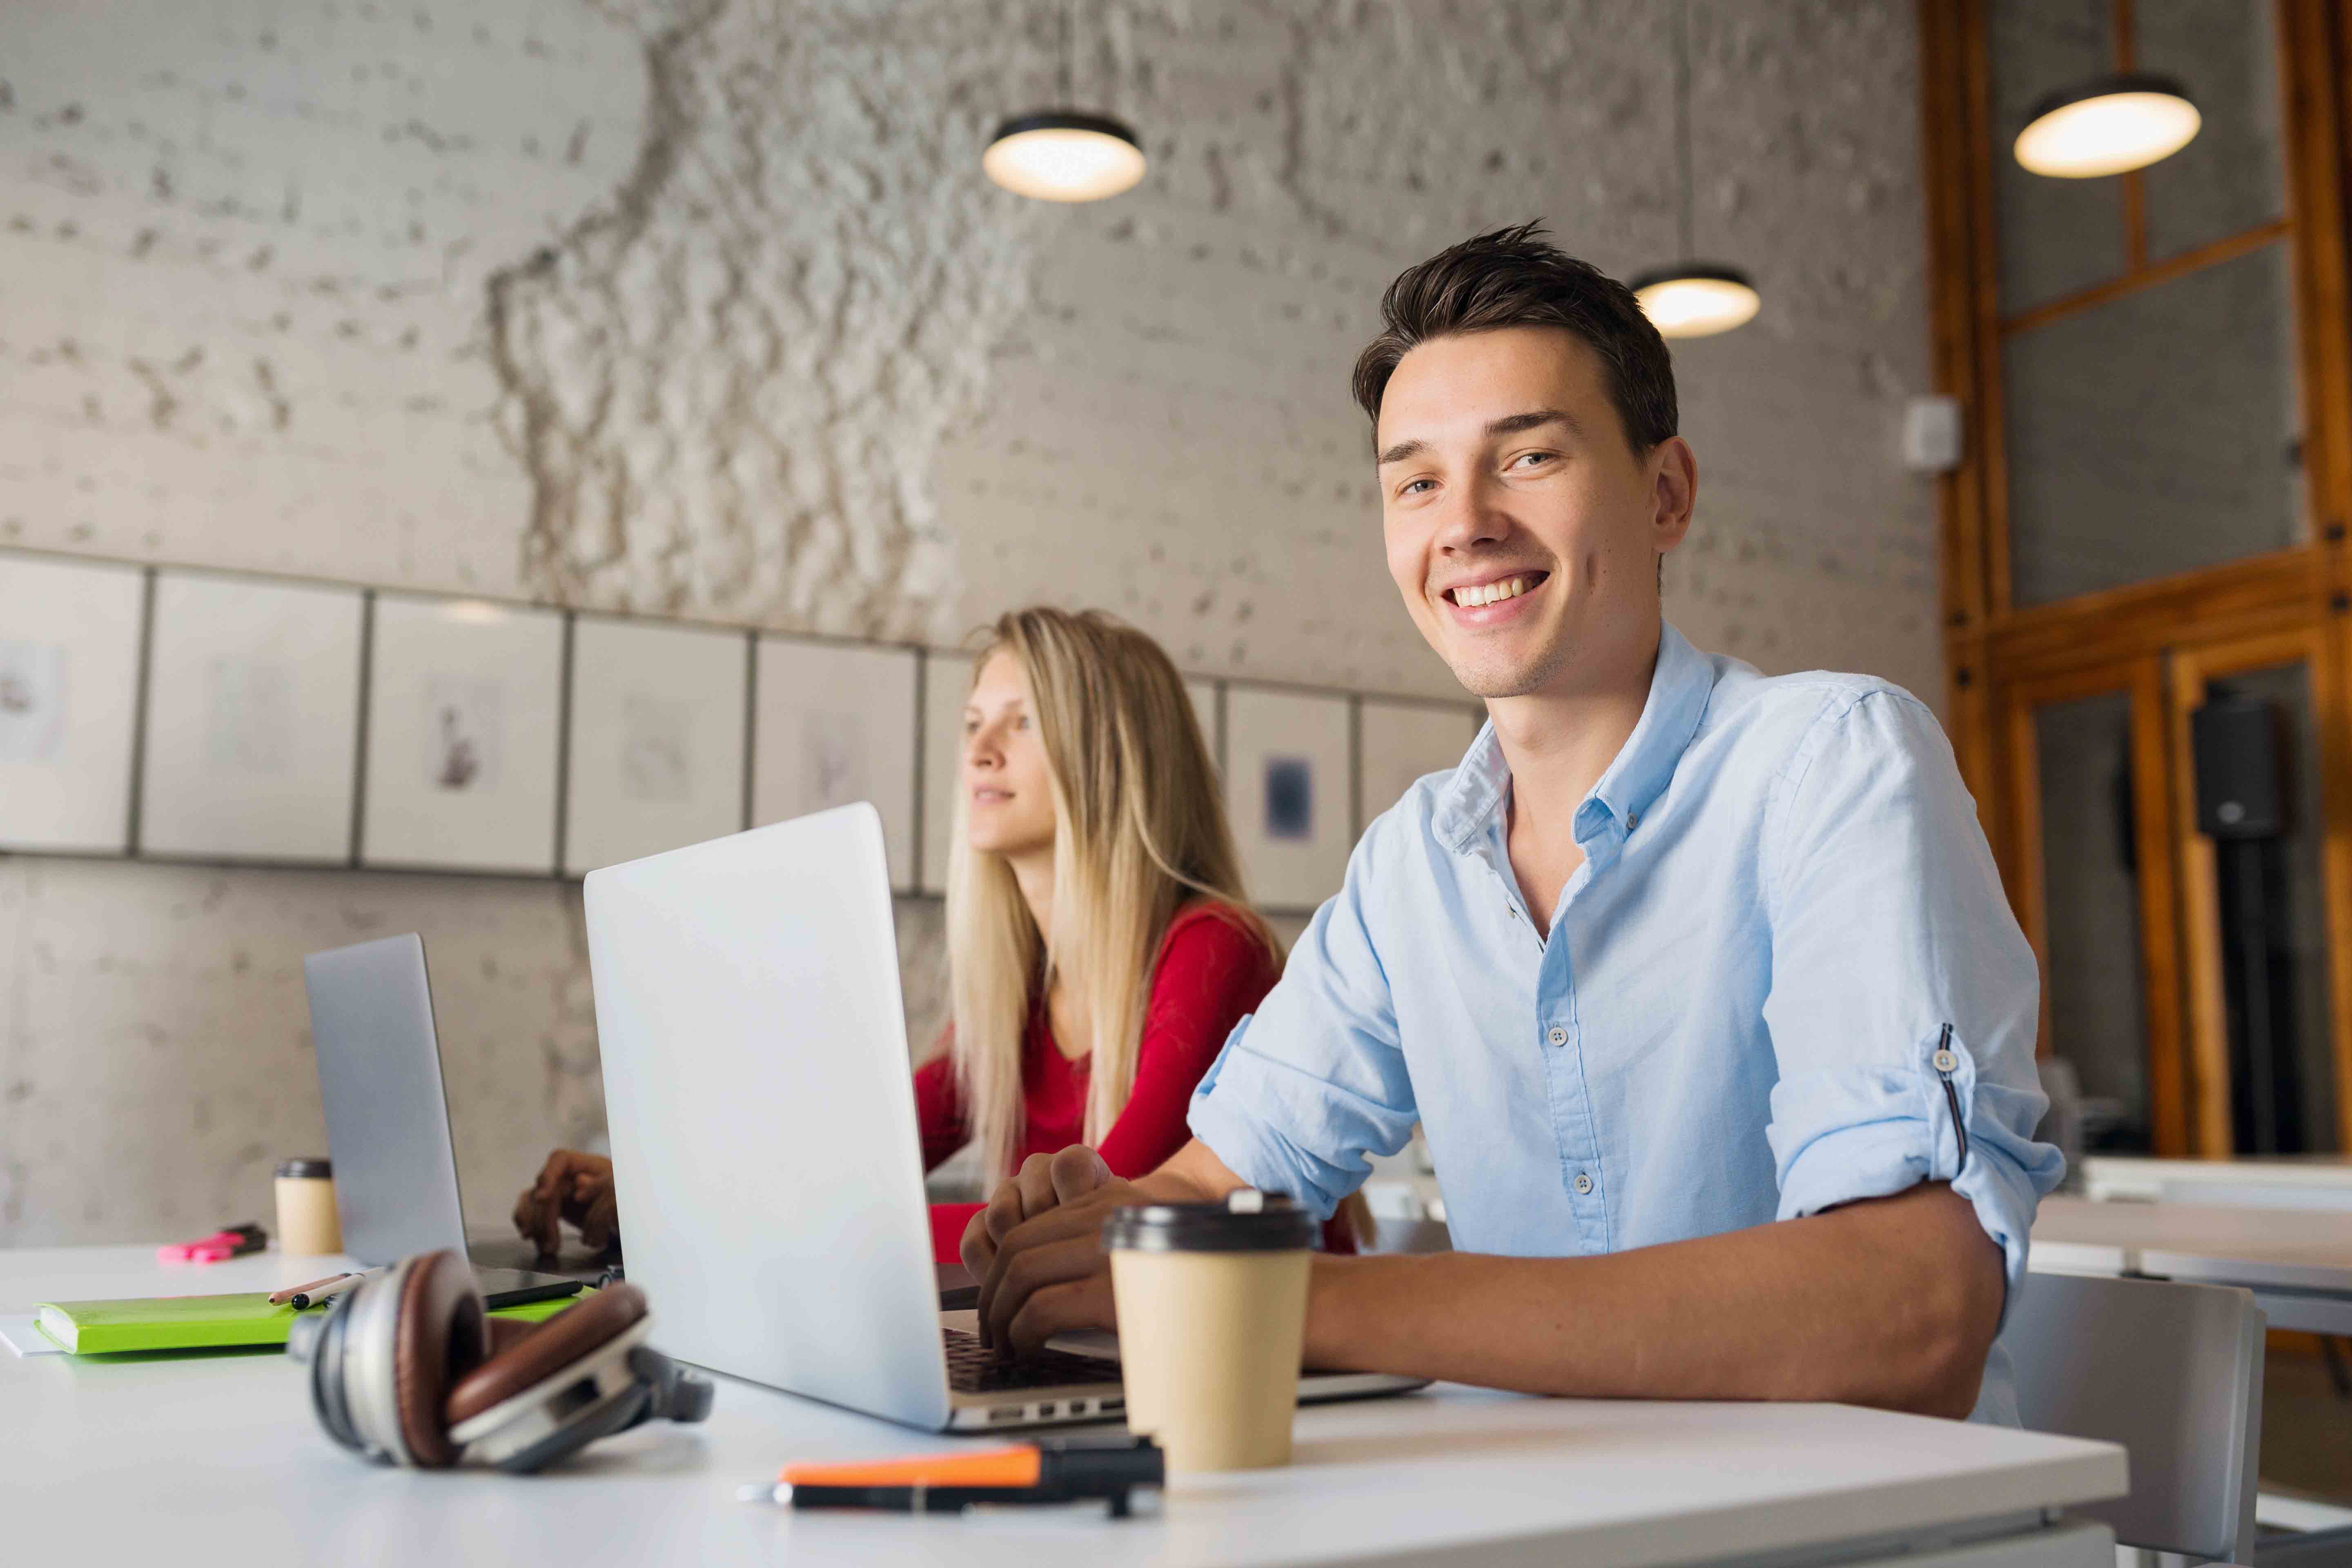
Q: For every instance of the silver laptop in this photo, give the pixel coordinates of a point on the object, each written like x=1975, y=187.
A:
x=758, y=1088
x=388, y=1117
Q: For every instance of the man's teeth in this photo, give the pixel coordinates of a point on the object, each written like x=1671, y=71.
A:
x=1470, y=598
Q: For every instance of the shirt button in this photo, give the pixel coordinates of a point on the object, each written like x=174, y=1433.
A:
x=1583, y=1183
x=1945, y=1061
x=1632, y=820
x=1558, y=1036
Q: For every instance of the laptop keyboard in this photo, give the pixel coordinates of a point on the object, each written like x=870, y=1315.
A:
x=973, y=1367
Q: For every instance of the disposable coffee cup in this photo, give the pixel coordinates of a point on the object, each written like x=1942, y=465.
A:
x=1212, y=1304
x=307, y=1223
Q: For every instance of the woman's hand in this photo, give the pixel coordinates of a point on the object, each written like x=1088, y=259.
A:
x=574, y=1186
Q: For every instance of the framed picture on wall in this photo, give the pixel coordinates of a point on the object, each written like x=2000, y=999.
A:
x=253, y=702
x=947, y=680
x=833, y=723
x=1287, y=791
x=465, y=712
x=69, y=702
x=1399, y=742
x=658, y=716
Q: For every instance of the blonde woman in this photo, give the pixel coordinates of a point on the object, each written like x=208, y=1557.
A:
x=1099, y=947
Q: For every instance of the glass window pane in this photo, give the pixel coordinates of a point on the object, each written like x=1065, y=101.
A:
x=2055, y=235
x=2098, y=994
x=2154, y=434
x=2232, y=178
x=2274, y=919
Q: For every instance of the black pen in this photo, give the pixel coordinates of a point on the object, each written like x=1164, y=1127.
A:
x=530, y=1293
x=938, y=1499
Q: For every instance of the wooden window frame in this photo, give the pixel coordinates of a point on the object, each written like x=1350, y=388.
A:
x=2141, y=680
x=1983, y=628
x=2158, y=638
x=2321, y=649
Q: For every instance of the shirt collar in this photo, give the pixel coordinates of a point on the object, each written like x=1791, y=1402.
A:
x=1679, y=689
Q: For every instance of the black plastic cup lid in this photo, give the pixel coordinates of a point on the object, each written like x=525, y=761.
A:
x=1248, y=1221
x=307, y=1166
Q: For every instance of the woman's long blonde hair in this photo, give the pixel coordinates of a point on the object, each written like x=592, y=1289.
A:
x=1140, y=830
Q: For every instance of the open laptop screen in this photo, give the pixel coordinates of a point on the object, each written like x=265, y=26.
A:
x=387, y=1116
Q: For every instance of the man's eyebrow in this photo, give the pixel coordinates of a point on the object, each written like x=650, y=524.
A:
x=1512, y=424
x=1508, y=424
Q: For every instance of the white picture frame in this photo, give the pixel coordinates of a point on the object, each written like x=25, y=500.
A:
x=1205, y=707
x=655, y=761
x=832, y=723
x=946, y=681
x=252, y=737
x=1399, y=743
x=1287, y=789
x=69, y=633
x=464, y=724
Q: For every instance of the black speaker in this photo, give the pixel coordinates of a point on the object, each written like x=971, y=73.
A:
x=2236, y=742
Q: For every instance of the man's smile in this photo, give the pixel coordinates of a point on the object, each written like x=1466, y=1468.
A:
x=1492, y=600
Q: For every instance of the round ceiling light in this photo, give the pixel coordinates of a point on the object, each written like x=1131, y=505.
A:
x=2107, y=126
x=1061, y=156
x=1696, y=301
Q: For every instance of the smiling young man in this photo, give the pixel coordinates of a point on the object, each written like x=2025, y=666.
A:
x=1701, y=983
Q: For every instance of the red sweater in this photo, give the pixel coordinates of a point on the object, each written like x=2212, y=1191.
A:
x=1212, y=972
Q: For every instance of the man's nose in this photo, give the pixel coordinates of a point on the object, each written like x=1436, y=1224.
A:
x=1470, y=516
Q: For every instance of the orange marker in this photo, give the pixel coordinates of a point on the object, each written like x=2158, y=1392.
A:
x=1019, y=1467
x=949, y=1483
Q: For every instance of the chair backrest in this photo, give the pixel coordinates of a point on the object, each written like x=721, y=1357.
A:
x=2174, y=1374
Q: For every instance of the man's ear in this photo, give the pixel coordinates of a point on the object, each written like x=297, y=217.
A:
x=1674, y=491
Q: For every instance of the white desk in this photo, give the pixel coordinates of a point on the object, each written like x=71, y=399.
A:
x=2297, y=1262
x=216, y=1458
x=2280, y=1182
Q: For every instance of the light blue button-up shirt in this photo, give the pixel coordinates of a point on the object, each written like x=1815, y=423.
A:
x=1784, y=966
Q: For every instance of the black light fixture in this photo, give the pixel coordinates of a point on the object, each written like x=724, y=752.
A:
x=1692, y=298
x=2110, y=124
x=1063, y=155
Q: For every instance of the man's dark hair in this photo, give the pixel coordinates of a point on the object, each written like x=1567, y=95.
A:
x=1517, y=278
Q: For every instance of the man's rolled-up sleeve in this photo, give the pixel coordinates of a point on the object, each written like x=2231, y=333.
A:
x=1313, y=1082
x=1905, y=1000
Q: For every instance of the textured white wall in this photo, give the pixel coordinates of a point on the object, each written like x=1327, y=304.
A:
x=703, y=308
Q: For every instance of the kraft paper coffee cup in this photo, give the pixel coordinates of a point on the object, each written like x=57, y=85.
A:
x=1212, y=1304
x=307, y=1222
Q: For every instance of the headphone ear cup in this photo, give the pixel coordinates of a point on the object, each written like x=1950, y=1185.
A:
x=570, y=1438
x=530, y=1358
x=320, y=1342
x=438, y=1336
x=507, y=1333
x=579, y=1376
x=358, y=1364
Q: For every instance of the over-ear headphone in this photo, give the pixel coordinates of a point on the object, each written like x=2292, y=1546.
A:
x=408, y=1369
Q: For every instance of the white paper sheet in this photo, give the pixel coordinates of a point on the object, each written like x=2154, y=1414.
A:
x=24, y=1337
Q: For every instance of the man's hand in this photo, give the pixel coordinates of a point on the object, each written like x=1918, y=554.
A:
x=574, y=1186
x=1037, y=1249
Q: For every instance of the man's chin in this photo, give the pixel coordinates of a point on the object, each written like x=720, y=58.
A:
x=1490, y=679
x=1499, y=663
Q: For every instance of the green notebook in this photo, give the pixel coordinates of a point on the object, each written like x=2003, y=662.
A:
x=199, y=1322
